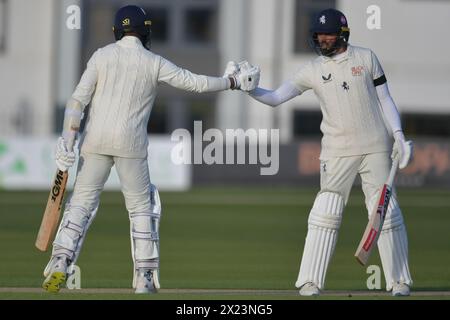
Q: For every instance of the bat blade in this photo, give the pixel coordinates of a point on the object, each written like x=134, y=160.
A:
x=373, y=229
x=52, y=211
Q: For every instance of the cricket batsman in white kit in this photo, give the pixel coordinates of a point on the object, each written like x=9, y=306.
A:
x=355, y=102
x=120, y=82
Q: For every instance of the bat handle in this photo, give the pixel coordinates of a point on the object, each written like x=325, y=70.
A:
x=70, y=136
x=71, y=140
x=393, y=171
x=70, y=132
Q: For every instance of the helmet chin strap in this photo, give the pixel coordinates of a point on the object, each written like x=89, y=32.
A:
x=145, y=39
x=146, y=42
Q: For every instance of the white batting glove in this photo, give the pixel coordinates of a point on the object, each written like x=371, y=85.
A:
x=248, y=76
x=231, y=69
x=403, y=149
x=64, y=158
x=231, y=73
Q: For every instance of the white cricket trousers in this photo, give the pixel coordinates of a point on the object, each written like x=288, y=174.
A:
x=336, y=179
x=93, y=171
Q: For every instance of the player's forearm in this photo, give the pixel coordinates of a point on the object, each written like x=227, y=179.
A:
x=188, y=81
x=214, y=84
x=273, y=98
x=389, y=108
x=72, y=119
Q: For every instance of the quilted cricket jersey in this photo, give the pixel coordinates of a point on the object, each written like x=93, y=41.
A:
x=352, y=121
x=122, y=80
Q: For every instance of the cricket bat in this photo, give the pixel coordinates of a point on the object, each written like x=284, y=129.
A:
x=52, y=211
x=376, y=219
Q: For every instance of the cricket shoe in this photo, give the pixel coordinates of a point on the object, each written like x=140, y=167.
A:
x=309, y=289
x=145, y=282
x=56, y=274
x=400, y=290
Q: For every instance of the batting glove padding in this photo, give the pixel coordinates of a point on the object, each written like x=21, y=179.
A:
x=64, y=158
x=230, y=73
x=231, y=69
x=402, y=148
x=242, y=76
x=248, y=76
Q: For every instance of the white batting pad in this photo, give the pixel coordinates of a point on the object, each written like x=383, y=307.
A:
x=145, y=237
x=393, y=247
x=72, y=231
x=323, y=225
x=144, y=233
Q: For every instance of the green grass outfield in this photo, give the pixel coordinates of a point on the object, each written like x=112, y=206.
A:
x=246, y=240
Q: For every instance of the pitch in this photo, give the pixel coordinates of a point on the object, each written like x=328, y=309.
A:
x=225, y=243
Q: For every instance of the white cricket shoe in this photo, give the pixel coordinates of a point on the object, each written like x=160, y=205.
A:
x=145, y=282
x=56, y=274
x=309, y=289
x=400, y=290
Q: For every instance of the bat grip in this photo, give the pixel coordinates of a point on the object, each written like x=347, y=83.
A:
x=393, y=171
x=70, y=129
x=70, y=139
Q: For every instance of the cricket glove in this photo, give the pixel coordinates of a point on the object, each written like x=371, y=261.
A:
x=64, y=158
x=242, y=76
x=231, y=70
x=231, y=73
x=248, y=76
x=402, y=149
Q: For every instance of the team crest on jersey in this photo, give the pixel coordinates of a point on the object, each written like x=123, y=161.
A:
x=345, y=86
x=357, y=71
x=327, y=79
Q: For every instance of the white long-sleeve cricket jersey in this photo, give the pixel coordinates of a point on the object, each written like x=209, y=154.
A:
x=352, y=121
x=122, y=79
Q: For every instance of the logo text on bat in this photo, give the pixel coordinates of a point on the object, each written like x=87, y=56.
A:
x=57, y=185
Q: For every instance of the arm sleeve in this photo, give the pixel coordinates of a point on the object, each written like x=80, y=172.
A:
x=389, y=109
x=185, y=80
x=377, y=71
x=273, y=98
x=86, y=86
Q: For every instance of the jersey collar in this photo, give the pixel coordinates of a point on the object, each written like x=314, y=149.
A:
x=130, y=41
